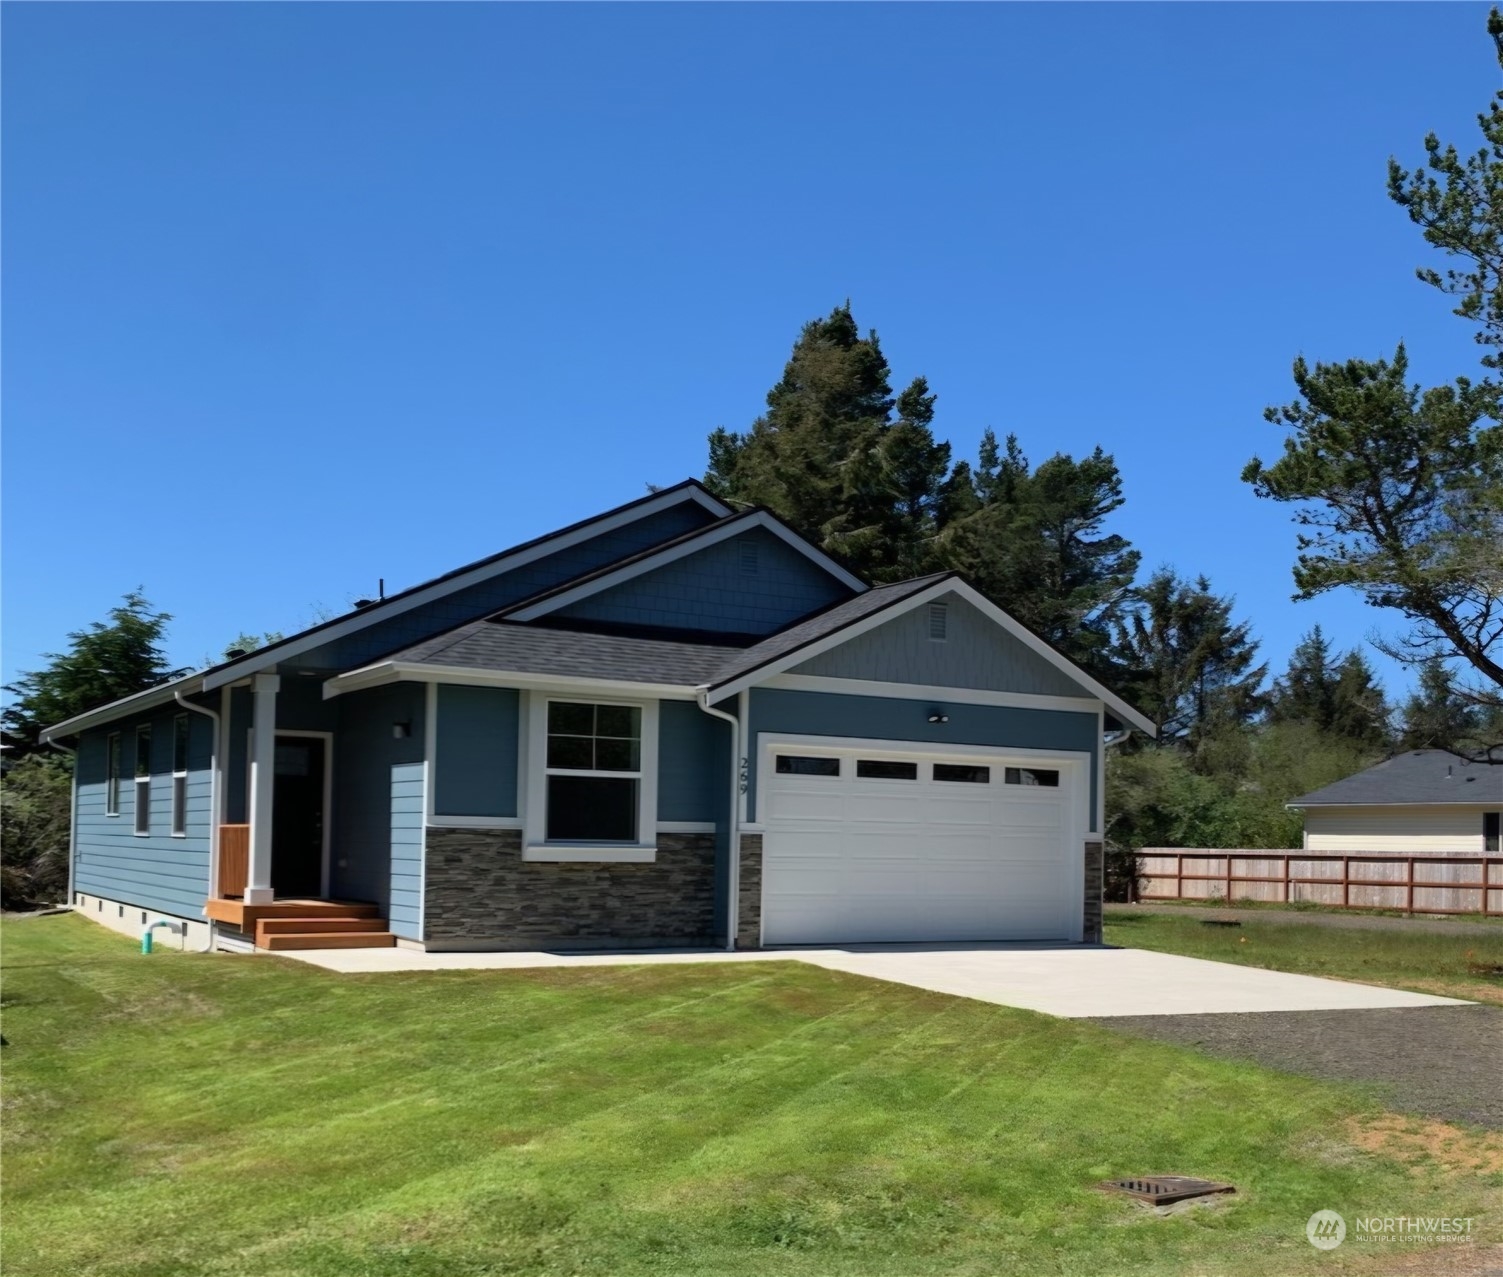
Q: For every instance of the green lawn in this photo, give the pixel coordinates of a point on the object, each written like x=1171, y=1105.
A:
x=1455, y=966
x=195, y=1115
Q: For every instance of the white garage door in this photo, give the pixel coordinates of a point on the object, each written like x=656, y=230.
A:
x=875, y=845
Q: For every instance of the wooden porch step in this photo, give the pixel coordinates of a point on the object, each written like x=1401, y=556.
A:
x=239, y=914
x=329, y=940
x=309, y=926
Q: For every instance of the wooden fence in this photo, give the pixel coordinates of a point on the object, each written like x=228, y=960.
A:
x=234, y=860
x=1354, y=880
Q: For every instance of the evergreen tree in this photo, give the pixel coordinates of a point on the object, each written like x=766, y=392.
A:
x=1338, y=695
x=830, y=457
x=1359, y=710
x=1186, y=663
x=1034, y=543
x=103, y=663
x=1436, y=715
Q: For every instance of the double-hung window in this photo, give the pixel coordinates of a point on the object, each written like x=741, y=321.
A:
x=180, y=776
x=593, y=772
x=112, y=774
x=143, y=779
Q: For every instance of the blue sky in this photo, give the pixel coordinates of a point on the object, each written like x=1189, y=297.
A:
x=298, y=297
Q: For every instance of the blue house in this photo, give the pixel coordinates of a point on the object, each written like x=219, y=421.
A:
x=674, y=724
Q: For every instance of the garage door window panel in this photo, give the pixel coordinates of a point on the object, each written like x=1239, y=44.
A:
x=962, y=774
x=885, y=769
x=1033, y=777
x=807, y=765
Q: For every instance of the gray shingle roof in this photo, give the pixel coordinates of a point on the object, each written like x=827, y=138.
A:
x=536, y=649
x=515, y=647
x=1418, y=776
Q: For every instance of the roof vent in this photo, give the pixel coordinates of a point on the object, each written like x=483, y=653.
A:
x=234, y=654
x=360, y=603
x=939, y=614
x=748, y=556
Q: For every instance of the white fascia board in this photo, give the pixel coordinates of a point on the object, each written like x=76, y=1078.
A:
x=132, y=704
x=947, y=585
x=929, y=692
x=393, y=672
x=1482, y=804
x=712, y=535
x=395, y=607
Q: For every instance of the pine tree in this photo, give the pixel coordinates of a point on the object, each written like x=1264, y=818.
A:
x=1336, y=694
x=103, y=663
x=830, y=457
x=1436, y=716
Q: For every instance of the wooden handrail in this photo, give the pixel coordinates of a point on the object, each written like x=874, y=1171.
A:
x=234, y=860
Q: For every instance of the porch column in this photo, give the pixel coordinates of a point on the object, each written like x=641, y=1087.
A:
x=263, y=770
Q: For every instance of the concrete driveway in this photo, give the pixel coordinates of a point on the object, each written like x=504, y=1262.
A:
x=1072, y=981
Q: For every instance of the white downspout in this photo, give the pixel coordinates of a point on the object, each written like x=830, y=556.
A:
x=214, y=822
x=72, y=811
x=733, y=893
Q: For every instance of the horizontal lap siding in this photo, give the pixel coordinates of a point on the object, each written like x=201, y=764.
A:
x=709, y=590
x=1403, y=830
x=504, y=589
x=405, y=915
x=158, y=872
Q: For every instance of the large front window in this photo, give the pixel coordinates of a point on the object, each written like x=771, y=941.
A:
x=593, y=772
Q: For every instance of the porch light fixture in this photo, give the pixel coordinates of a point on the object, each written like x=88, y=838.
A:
x=938, y=716
x=401, y=731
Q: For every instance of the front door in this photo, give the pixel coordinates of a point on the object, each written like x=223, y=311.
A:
x=297, y=829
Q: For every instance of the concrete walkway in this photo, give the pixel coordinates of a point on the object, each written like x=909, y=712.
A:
x=1356, y=921
x=1072, y=981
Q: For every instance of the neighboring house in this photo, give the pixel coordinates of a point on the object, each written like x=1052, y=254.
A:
x=1423, y=802
x=671, y=724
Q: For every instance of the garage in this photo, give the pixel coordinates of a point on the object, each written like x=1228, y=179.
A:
x=875, y=842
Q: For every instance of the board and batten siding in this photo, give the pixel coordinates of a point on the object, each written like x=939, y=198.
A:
x=778, y=710
x=752, y=584
x=157, y=872
x=975, y=653
x=1411, y=831
x=405, y=911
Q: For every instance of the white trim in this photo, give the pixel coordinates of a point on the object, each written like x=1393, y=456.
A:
x=686, y=826
x=464, y=676
x=946, y=585
x=712, y=535
x=481, y=572
x=535, y=808
x=601, y=853
x=929, y=692
x=1075, y=762
x=328, y=797
x=430, y=748
x=178, y=817
x=475, y=822
x=1098, y=817
x=112, y=782
x=1487, y=804
x=141, y=782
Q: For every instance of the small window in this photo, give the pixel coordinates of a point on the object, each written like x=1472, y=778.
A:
x=748, y=556
x=939, y=617
x=143, y=779
x=180, y=776
x=881, y=769
x=1031, y=776
x=112, y=775
x=801, y=765
x=593, y=772
x=963, y=773
x=1490, y=830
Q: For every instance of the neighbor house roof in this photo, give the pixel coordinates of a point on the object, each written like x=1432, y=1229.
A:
x=1420, y=776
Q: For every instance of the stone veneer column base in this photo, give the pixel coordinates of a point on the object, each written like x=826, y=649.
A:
x=749, y=899
x=1095, y=878
x=481, y=894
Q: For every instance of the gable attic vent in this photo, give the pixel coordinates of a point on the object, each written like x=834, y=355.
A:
x=748, y=556
x=938, y=619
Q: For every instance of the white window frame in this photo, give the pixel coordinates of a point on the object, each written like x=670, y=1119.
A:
x=112, y=758
x=142, y=783
x=535, y=844
x=181, y=730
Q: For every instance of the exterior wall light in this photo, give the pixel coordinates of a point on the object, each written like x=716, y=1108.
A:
x=938, y=716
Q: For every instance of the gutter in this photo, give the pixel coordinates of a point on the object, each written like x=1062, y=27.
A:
x=733, y=885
